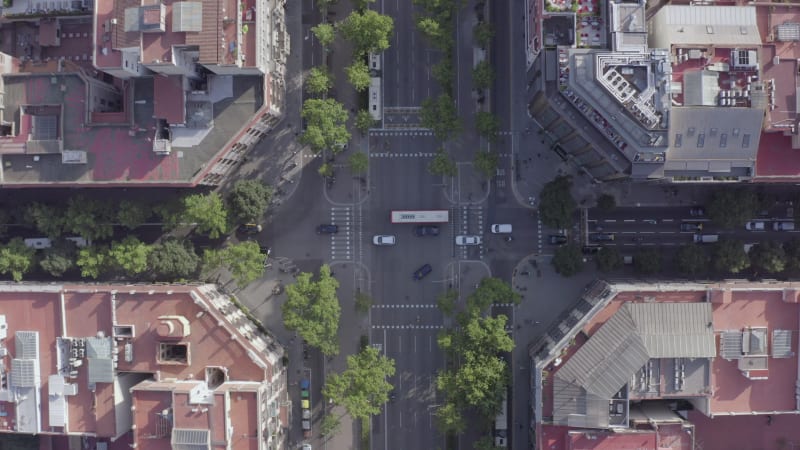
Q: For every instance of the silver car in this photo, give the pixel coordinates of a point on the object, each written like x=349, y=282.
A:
x=468, y=240
x=383, y=239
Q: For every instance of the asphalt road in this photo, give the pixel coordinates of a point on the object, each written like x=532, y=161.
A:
x=633, y=227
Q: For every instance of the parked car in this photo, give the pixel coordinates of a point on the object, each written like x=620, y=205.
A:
x=557, y=239
x=601, y=237
x=468, y=240
x=383, y=239
x=755, y=225
x=501, y=228
x=697, y=211
x=706, y=238
x=426, y=230
x=783, y=226
x=306, y=447
x=422, y=272
x=327, y=229
x=691, y=226
x=590, y=250
x=250, y=228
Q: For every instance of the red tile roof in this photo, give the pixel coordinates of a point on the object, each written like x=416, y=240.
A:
x=169, y=100
x=210, y=39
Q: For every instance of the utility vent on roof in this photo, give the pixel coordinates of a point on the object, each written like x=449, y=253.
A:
x=186, y=439
x=782, y=344
x=789, y=32
x=731, y=345
x=27, y=344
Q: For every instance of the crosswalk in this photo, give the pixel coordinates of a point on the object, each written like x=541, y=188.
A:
x=407, y=327
x=342, y=242
x=416, y=131
x=469, y=221
x=430, y=305
x=402, y=155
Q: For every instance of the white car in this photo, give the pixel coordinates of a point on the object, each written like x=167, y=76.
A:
x=306, y=446
x=468, y=240
x=501, y=228
x=754, y=226
x=384, y=239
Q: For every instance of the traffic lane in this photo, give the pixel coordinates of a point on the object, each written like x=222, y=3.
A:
x=638, y=213
x=408, y=316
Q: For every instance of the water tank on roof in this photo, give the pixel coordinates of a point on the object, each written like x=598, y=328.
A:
x=175, y=327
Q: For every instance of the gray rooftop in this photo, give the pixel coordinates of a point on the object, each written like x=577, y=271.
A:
x=700, y=88
x=676, y=25
x=637, y=333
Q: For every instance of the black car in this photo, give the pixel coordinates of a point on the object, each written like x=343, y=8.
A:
x=427, y=230
x=327, y=229
x=558, y=239
x=249, y=228
x=590, y=250
x=697, y=211
x=422, y=272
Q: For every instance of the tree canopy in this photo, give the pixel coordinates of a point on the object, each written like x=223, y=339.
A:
x=244, y=260
x=692, y=260
x=358, y=162
x=606, y=202
x=16, y=258
x=483, y=34
x=442, y=164
x=173, y=260
x=327, y=124
x=362, y=388
x=325, y=33
x=132, y=213
x=319, y=81
x=491, y=291
x=482, y=75
x=440, y=115
x=768, y=256
x=46, y=218
x=208, y=212
x=358, y=75
x=731, y=208
x=556, y=205
x=729, y=256
x=90, y=219
x=59, y=258
x=647, y=261
x=487, y=125
x=367, y=30
x=130, y=255
x=567, y=260
x=312, y=309
x=249, y=200
x=438, y=34
x=608, y=259
x=486, y=163
x=363, y=121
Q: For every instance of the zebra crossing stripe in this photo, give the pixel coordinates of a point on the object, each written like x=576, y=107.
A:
x=396, y=305
x=407, y=327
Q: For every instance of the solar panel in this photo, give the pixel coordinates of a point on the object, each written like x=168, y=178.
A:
x=27, y=344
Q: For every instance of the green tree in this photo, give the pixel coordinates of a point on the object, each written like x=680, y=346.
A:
x=482, y=75
x=487, y=125
x=319, y=81
x=173, y=260
x=363, y=302
x=130, y=255
x=169, y=212
x=438, y=35
x=486, y=442
x=440, y=115
x=312, y=309
x=362, y=388
x=647, y=261
x=244, y=260
x=249, y=200
x=59, y=258
x=556, y=205
x=491, y=291
x=132, y=213
x=792, y=250
x=361, y=5
x=606, y=202
x=16, y=258
x=358, y=75
x=325, y=34
x=327, y=127
x=93, y=260
x=731, y=208
x=449, y=418
x=330, y=424
x=368, y=31
x=442, y=164
x=358, y=162
x=47, y=219
x=444, y=74
x=325, y=170
x=363, y=121
x=446, y=301
x=208, y=212
x=322, y=6
x=486, y=163
x=608, y=259
x=768, y=257
x=90, y=219
x=567, y=260
x=729, y=256
x=483, y=34
x=692, y=260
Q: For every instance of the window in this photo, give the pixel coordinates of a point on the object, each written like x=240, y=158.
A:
x=701, y=140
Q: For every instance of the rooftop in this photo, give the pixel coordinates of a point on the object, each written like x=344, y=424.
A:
x=190, y=359
x=676, y=25
x=124, y=154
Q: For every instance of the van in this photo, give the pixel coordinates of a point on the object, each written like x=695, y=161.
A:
x=501, y=228
x=783, y=226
